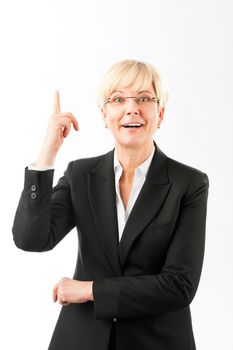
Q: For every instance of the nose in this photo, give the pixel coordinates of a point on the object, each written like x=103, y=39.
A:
x=132, y=106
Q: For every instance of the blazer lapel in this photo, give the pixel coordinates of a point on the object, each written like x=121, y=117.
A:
x=102, y=196
x=148, y=203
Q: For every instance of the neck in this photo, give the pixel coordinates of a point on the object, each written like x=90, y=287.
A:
x=131, y=158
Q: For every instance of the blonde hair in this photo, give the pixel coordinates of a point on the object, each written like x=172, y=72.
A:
x=130, y=72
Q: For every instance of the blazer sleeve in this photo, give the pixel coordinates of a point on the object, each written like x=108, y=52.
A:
x=44, y=214
x=175, y=286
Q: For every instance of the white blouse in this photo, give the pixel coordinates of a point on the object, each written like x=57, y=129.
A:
x=139, y=178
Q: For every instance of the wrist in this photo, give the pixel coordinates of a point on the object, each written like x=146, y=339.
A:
x=45, y=159
x=90, y=291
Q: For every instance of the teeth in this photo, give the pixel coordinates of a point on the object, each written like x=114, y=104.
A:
x=135, y=124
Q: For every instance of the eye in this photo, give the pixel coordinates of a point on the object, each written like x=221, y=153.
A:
x=118, y=99
x=143, y=99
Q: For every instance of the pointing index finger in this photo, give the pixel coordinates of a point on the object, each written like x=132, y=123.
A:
x=56, y=102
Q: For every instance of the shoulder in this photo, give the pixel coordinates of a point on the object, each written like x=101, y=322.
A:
x=182, y=173
x=81, y=166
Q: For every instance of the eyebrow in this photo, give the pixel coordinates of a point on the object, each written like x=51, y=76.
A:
x=139, y=92
x=145, y=91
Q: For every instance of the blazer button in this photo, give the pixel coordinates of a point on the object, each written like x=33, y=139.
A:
x=33, y=195
x=33, y=187
x=115, y=319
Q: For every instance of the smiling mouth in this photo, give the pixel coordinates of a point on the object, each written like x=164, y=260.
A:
x=133, y=125
x=128, y=126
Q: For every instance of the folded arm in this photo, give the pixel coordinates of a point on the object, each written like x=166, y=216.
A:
x=175, y=286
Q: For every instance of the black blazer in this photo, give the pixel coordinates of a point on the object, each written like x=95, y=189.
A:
x=146, y=281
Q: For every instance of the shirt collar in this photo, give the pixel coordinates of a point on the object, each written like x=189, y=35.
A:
x=144, y=167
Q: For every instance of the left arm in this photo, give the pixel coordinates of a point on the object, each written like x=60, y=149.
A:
x=176, y=285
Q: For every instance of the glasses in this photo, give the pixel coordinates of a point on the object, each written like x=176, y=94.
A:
x=140, y=100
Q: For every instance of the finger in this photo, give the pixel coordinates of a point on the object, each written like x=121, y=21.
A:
x=55, y=293
x=71, y=117
x=56, y=102
x=62, y=122
x=66, y=130
x=75, y=124
x=64, y=126
x=62, y=300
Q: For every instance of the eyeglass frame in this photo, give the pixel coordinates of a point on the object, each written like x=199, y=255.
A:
x=109, y=99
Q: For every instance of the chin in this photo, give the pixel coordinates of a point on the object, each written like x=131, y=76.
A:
x=131, y=142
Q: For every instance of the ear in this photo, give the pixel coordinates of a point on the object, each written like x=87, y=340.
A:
x=103, y=112
x=161, y=114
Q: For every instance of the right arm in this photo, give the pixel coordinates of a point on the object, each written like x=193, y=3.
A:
x=44, y=214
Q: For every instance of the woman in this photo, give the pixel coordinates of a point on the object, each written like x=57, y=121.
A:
x=140, y=219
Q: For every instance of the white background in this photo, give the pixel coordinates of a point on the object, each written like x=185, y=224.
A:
x=69, y=45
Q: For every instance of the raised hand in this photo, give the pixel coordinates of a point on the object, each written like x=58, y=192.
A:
x=59, y=126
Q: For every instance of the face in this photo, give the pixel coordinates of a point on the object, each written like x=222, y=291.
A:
x=118, y=115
